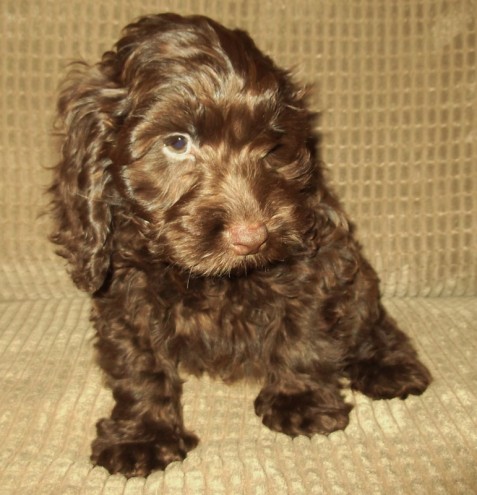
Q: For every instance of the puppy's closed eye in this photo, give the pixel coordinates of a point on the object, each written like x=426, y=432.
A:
x=273, y=150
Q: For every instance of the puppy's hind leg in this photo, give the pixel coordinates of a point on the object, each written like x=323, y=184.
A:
x=384, y=364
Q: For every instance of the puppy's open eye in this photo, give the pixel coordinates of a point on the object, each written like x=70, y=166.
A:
x=177, y=144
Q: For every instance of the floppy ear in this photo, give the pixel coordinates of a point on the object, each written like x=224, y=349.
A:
x=90, y=109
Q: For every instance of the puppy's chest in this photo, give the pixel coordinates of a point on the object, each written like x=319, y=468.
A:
x=222, y=328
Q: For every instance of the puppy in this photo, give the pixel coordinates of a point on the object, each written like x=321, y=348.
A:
x=190, y=203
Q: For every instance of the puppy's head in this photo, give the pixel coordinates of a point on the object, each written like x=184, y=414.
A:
x=188, y=134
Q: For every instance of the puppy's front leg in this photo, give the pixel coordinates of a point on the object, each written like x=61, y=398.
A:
x=145, y=431
x=302, y=395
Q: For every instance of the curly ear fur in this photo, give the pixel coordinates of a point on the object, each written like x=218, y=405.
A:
x=90, y=108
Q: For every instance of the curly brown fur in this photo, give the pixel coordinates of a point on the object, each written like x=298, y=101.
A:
x=190, y=203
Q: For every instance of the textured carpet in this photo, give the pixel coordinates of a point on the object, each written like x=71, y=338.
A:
x=52, y=395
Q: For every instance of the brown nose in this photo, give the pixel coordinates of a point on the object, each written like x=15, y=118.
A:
x=246, y=238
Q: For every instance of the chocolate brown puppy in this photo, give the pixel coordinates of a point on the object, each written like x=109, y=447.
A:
x=191, y=205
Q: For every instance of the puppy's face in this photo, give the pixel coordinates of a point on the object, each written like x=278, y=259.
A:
x=214, y=149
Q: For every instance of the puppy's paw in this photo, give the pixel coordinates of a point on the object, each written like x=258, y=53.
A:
x=136, y=457
x=386, y=381
x=303, y=413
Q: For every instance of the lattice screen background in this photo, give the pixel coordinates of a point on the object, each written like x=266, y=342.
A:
x=395, y=82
